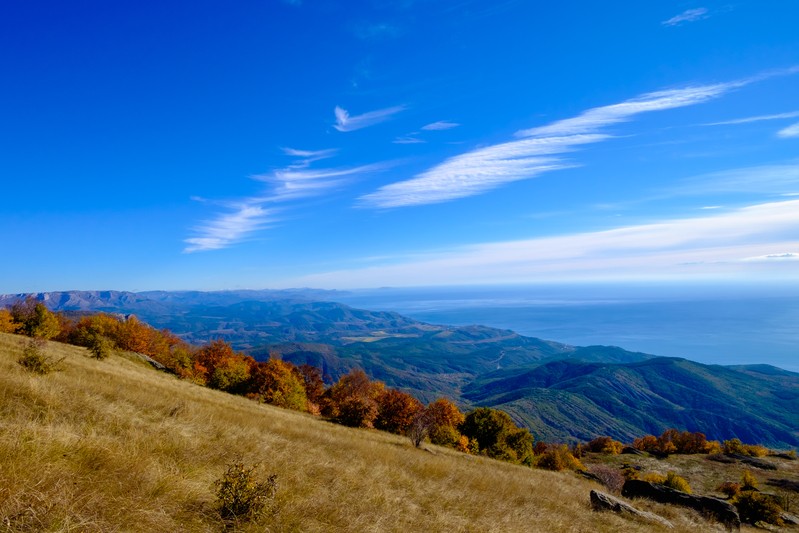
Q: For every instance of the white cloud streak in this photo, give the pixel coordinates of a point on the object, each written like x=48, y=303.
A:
x=440, y=125
x=346, y=122
x=711, y=245
x=789, y=132
x=754, y=119
x=229, y=228
x=295, y=182
x=478, y=171
x=408, y=139
x=689, y=15
x=484, y=169
x=600, y=117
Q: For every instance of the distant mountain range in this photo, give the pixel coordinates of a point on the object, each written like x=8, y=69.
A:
x=560, y=392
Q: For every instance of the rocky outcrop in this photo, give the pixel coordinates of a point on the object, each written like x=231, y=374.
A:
x=722, y=511
x=752, y=461
x=629, y=450
x=784, y=484
x=605, y=502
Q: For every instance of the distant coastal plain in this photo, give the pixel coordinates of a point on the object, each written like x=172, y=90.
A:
x=712, y=324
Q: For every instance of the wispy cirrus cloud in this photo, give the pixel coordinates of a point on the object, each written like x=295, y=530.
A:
x=229, y=228
x=758, y=118
x=293, y=183
x=689, y=15
x=478, y=171
x=346, y=122
x=789, y=132
x=600, y=117
x=719, y=243
x=408, y=139
x=537, y=151
x=440, y=125
x=296, y=181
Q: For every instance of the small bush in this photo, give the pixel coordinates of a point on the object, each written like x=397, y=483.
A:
x=671, y=480
x=240, y=496
x=559, y=458
x=754, y=507
x=659, y=479
x=677, y=483
x=100, y=346
x=605, y=445
x=729, y=489
x=34, y=359
x=748, y=481
x=755, y=450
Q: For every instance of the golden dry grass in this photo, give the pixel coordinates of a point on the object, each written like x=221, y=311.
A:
x=116, y=446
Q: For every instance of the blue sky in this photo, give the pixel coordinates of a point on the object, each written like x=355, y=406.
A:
x=346, y=144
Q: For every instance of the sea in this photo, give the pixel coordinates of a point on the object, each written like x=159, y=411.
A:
x=712, y=323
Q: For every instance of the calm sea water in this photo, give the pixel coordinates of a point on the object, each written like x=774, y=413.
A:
x=716, y=324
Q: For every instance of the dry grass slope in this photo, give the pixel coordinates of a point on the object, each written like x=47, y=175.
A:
x=115, y=446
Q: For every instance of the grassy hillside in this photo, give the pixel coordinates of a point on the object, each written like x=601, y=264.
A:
x=116, y=446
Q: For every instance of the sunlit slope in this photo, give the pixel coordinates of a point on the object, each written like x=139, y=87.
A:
x=116, y=446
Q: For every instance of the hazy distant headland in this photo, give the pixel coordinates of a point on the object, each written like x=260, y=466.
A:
x=714, y=323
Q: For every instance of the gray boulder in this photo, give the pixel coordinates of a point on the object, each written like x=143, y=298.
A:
x=605, y=502
x=722, y=511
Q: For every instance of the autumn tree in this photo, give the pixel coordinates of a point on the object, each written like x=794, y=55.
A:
x=498, y=436
x=219, y=367
x=444, y=418
x=396, y=411
x=32, y=318
x=278, y=382
x=689, y=443
x=605, y=445
x=314, y=386
x=353, y=400
x=7, y=322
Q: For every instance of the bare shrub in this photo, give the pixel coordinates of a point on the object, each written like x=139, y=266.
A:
x=611, y=477
x=240, y=496
x=35, y=359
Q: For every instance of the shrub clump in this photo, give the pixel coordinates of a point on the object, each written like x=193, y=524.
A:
x=34, y=359
x=100, y=346
x=671, y=480
x=240, y=496
x=558, y=458
x=754, y=507
x=729, y=489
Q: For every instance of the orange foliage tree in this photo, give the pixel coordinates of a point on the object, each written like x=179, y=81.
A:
x=396, y=411
x=352, y=401
x=605, y=445
x=219, y=367
x=6, y=322
x=314, y=386
x=278, y=383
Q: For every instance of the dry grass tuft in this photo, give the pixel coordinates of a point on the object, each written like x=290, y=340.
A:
x=115, y=446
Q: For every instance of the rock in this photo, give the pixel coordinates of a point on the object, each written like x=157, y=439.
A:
x=155, y=364
x=629, y=450
x=720, y=458
x=789, y=519
x=752, y=461
x=588, y=475
x=784, y=484
x=722, y=511
x=786, y=456
x=605, y=502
